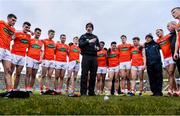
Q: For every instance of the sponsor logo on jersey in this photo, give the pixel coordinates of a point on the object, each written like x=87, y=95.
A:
x=24, y=41
x=75, y=50
x=113, y=55
x=124, y=49
x=135, y=52
x=62, y=49
x=9, y=32
x=50, y=46
x=163, y=42
x=36, y=46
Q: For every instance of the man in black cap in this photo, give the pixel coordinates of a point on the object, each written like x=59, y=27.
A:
x=89, y=45
x=154, y=65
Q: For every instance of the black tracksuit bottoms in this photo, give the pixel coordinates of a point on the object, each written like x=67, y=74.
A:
x=88, y=65
x=155, y=78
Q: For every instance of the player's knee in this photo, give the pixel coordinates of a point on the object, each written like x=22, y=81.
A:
x=110, y=79
x=116, y=80
x=61, y=77
x=98, y=79
x=141, y=79
x=171, y=73
x=68, y=76
x=7, y=71
x=18, y=75
x=122, y=78
x=28, y=75
x=56, y=78
x=43, y=76
x=49, y=76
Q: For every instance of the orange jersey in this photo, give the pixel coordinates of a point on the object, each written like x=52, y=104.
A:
x=137, y=57
x=21, y=43
x=101, y=58
x=49, y=49
x=6, y=33
x=113, y=58
x=74, y=52
x=165, y=46
x=61, y=52
x=124, y=52
x=34, y=50
x=178, y=30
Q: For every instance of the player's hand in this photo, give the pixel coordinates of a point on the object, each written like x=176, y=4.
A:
x=97, y=48
x=40, y=62
x=92, y=40
x=31, y=32
x=13, y=36
x=144, y=67
x=176, y=56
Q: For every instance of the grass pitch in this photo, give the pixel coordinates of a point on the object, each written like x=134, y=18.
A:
x=120, y=105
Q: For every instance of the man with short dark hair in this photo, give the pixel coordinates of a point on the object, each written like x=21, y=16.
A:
x=7, y=31
x=89, y=44
x=125, y=63
x=102, y=68
x=33, y=59
x=21, y=43
x=48, y=60
x=113, y=69
x=61, y=54
x=137, y=66
x=73, y=65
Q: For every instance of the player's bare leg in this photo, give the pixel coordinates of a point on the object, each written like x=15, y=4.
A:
x=116, y=75
x=62, y=74
x=98, y=83
x=141, y=83
x=133, y=80
x=102, y=83
x=49, y=75
x=33, y=77
x=69, y=75
x=43, y=75
x=18, y=74
x=74, y=77
x=7, y=74
x=111, y=76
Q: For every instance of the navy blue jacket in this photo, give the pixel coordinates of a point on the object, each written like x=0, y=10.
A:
x=153, y=56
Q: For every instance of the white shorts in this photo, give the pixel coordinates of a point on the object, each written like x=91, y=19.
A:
x=48, y=63
x=60, y=65
x=18, y=60
x=5, y=54
x=168, y=61
x=32, y=63
x=74, y=65
x=113, y=69
x=102, y=70
x=137, y=68
x=125, y=65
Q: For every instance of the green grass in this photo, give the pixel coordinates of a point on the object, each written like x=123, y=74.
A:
x=38, y=104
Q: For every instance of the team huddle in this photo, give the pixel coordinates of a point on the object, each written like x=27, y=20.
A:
x=124, y=63
x=31, y=52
